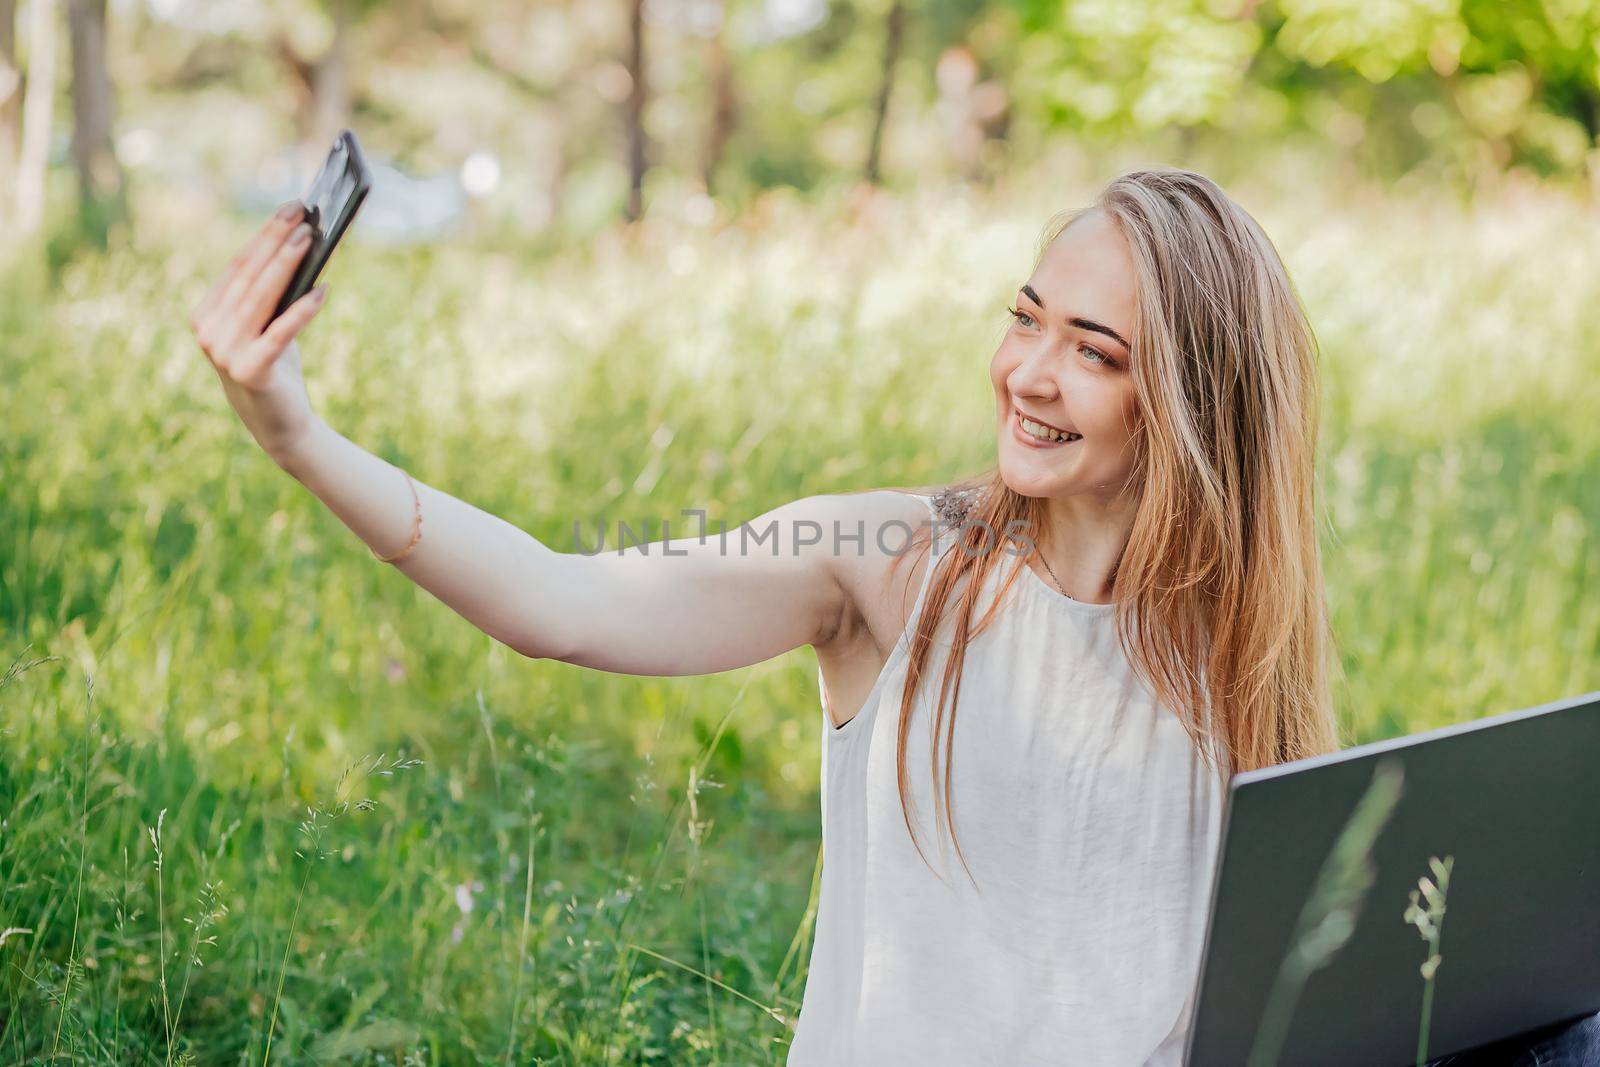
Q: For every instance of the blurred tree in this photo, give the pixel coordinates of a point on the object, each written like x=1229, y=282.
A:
x=576, y=107
x=724, y=102
x=102, y=199
x=634, y=109
x=894, y=31
x=1376, y=40
x=10, y=97
x=314, y=41
x=37, y=107
x=330, y=79
x=1549, y=55
x=1107, y=67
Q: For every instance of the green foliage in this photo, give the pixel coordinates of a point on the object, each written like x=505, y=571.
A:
x=1456, y=86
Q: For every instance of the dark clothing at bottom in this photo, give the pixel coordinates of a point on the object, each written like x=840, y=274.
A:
x=1570, y=1043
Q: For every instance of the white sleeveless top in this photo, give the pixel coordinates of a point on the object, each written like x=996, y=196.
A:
x=1088, y=820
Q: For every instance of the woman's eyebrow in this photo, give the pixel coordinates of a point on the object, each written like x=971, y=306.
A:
x=1083, y=324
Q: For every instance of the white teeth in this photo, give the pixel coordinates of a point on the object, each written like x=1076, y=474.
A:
x=1045, y=433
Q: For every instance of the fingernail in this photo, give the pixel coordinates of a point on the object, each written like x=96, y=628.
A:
x=302, y=234
x=289, y=210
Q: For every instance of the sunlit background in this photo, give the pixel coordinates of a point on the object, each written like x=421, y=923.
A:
x=623, y=259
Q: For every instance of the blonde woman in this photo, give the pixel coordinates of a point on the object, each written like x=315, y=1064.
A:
x=1059, y=661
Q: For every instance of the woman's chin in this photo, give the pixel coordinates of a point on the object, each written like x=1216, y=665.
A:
x=1025, y=480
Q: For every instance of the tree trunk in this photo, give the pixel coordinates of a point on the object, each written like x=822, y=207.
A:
x=100, y=184
x=330, y=82
x=724, y=107
x=891, y=54
x=635, y=110
x=10, y=97
x=36, y=109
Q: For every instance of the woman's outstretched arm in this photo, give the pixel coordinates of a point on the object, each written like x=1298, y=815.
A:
x=688, y=606
x=683, y=606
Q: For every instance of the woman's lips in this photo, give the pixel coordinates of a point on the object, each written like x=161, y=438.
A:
x=1031, y=441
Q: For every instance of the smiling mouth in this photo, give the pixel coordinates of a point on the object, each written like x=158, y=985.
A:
x=1043, y=431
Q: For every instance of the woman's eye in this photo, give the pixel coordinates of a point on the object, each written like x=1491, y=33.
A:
x=1094, y=354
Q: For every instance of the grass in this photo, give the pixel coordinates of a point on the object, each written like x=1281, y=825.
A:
x=190, y=633
x=1429, y=921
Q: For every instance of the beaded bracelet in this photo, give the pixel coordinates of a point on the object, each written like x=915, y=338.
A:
x=414, y=537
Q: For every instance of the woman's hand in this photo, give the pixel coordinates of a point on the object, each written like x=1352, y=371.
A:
x=259, y=364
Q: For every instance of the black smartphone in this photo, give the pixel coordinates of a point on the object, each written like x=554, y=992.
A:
x=332, y=202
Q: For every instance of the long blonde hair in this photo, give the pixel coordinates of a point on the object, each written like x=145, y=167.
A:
x=1220, y=605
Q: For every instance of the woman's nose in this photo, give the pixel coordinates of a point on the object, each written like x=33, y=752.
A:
x=1032, y=376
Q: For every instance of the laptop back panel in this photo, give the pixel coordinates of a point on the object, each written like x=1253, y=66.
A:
x=1514, y=799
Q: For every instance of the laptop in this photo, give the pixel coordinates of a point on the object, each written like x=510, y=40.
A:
x=1511, y=801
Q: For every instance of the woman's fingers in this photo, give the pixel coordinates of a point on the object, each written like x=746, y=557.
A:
x=202, y=319
x=202, y=310
x=288, y=325
x=261, y=298
x=259, y=252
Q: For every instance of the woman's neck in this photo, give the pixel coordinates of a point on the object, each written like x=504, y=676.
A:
x=1082, y=542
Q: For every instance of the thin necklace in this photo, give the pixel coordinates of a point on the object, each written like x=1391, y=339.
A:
x=1053, y=577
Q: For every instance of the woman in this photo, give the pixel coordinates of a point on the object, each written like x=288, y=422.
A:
x=1131, y=602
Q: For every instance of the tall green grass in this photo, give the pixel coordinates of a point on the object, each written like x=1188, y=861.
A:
x=587, y=868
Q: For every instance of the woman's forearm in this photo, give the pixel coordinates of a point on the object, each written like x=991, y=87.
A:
x=690, y=605
x=467, y=558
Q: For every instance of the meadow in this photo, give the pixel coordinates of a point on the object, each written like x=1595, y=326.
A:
x=263, y=798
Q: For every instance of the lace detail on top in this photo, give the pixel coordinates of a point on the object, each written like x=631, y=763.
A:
x=953, y=505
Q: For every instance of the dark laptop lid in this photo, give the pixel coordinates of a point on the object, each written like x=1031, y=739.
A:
x=1513, y=799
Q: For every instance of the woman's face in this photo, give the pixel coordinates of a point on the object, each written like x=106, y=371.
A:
x=1064, y=362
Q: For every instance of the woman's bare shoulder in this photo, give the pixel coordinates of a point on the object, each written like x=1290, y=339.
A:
x=902, y=503
x=884, y=519
x=878, y=560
